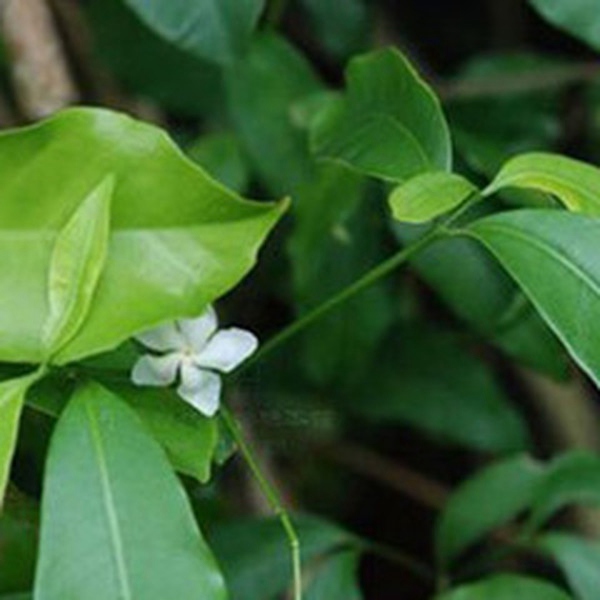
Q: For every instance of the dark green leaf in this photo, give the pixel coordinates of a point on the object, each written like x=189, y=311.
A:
x=389, y=124
x=507, y=587
x=486, y=501
x=115, y=520
x=216, y=30
x=334, y=578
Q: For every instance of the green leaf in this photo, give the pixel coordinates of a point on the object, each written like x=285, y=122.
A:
x=216, y=30
x=424, y=378
x=506, y=587
x=389, y=124
x=577, y=17
x=429, y=195
x=255, y=557
x=553, y=256
x=572, y=479
x=179, y=240
x=489, y=499
x=220, y=155
x=147, y=65
x=12, y=398
x=78, y=258
x=115, y=520
x=262, y=89
x=576, y=184
x=335, y=578
x=578, y=558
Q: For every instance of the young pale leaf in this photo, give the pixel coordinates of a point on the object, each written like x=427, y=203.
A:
x=389, y=124
x=216, y=30
x=12, y=398
x=429, y=195
x=576, y=184
x=115, y=520
x=553, y=256
x=488, y=500
x=578, y=558
x=580, y=18
x=506, y=587
x=572, y=479
x=178, y=241
x=77, y=261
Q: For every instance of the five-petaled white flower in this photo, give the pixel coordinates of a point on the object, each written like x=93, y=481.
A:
x=194, y=349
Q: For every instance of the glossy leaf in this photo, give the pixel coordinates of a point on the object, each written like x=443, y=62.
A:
x=389, y=124
x=76, y=263
x=576, y=184
x=263, y=121
x=255, y=557
x=488, y=500
x=428, y=381
x=217, y=30
x=507, y=587
x=179, y=240
x=578, y=17
x=12, y=398
x=572, y=479
x=429, y=195
x=115, y=520
x=578, y=558
x=553, y=256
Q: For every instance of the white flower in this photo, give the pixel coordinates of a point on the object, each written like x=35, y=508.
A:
x=194, y=349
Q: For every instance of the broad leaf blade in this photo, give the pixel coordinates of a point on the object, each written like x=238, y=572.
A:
x=507, y=587
x=576, y=184
x=216, y=30
x=389, y=124
x=578, y=17
x=488, y=500
x=115, y=521
x=553, y=256
x=429, y=195
x=179, y=240
x=12, y=398
x=578, y=558
x=335, y=578
x=77, y=261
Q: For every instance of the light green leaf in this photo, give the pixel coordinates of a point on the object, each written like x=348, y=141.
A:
x=506, y=587
x=553, y=256
x=389, y=124
x=429, y=195
x=12, y=398
x=77, y=261
x=115, y=520
x=255, y=557
x=576, y=184
x=489, y=499
x=178, y=241
x=335, y=578
x=578, y=558
x=578, y=17
x=217, y=30
x=572, y=479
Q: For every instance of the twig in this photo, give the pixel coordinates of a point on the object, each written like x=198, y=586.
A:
x=41, y=77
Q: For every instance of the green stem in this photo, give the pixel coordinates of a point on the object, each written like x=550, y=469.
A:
x=271, y=495
x=378, y=272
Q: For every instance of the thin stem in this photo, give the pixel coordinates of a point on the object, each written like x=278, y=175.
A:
x=378, y=272
x=271, y=495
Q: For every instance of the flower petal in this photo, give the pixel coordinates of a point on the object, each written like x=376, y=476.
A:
x=201, y=389
x=156, y=370
x=163, y=338
x=197, y=332
x=227, y=349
